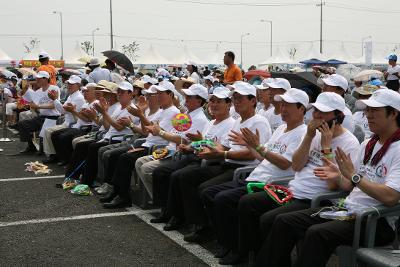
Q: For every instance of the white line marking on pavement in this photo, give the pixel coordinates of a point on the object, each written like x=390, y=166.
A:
x=71, y=218
x=197, y=250
x=31, y=178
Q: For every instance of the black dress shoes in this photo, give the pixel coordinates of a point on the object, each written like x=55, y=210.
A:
x=173, y=224
x=161, y=218
x=108, y=197
x=118, y=203
x=29, y=150
x=50, y=159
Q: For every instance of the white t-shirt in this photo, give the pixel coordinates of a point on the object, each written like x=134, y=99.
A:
x=305, y=184
x=31, y=95
x=199, y=122
x=44, y=99
x=284, y=144
x=275, y=120
x=361, y=120
x=77, y=99
x=110, y=111
x=218, y=132
x=392, y=70
x=120, y=113
x=386, y=172
x=254, y=123
x=81, y=122
x=195, y=76
x=163, y=118
x=233, y=113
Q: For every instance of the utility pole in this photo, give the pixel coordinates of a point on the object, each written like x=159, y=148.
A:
x=320, y=27
x=111, y=26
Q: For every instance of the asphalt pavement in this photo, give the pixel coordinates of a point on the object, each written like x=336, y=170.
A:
x=43, y=225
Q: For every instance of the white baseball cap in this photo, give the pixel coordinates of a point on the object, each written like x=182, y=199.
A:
x=336, y=80
x=190, y=62
x=329, y=101
x=148, y=79
x=294, y=95
x=279, y=83
x=209, y=77
x=43, y=55
x=94, y=62
x=221, y=92
x=244, y=88
x=197, y=89
x=42, y=74
x=162, y=86
x=381, y=98
x=73, y=79
x=264, y=84
x=127, y=86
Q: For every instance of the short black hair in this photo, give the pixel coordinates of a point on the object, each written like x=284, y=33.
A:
x=339, y=116
x=230, y=54
x=299, y=105
x=389, y=110
x=250, y=97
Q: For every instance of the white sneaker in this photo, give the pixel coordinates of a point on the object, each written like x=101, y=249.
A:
x=107, y=188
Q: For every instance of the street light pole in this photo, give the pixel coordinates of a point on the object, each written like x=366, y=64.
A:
x=111, y=27
x=61, y=25
x=320, y=27
x=93, y=39
x=241, y=48
x=270, y=40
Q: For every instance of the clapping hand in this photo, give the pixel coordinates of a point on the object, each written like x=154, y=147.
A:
x=124, y=121
x=134, y=111
x=194, y=137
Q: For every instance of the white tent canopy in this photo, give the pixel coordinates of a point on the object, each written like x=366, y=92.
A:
x=313, y=52
x=151, y=57
x=185, y=57
x=77, y=53
x=343, y=55
x=279, y=57
x=215, y=58
x=3, y=55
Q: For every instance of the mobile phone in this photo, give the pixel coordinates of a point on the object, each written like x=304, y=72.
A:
x=337, y=119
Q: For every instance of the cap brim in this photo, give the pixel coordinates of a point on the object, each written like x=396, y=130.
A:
x=322, y=107
x=261, y=87
x=241, y=92
x=220, y=96
x=188, y=92
x=285, y=98
x=363, y=103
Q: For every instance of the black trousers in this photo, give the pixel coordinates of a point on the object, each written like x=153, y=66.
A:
x=78, y=156
x=393, y=84
x=62, y=142
x=27, y=127
x=193, y=181
x=320, y=238
x=110, y=160
x=123, y=172
x=162, y=174
x=90, y=170
x=257, y=212
x=221, y=202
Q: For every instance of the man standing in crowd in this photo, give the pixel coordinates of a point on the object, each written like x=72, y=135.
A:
x=97, y=74
x=232, y=72
x=392, y=73
x=45, y=66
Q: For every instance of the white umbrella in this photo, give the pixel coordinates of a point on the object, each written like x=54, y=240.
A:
x=366, y=75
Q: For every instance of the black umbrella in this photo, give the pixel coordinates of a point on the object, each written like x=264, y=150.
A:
x=120, y=59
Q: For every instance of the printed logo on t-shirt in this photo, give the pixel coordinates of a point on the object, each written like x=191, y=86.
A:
x=315, y=158
x=277, y=148
x=374, y=173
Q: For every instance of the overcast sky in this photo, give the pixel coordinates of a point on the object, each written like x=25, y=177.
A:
x=202, y=25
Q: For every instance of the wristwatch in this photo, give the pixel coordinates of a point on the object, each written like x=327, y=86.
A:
x=356, y=179
x=131, y=125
